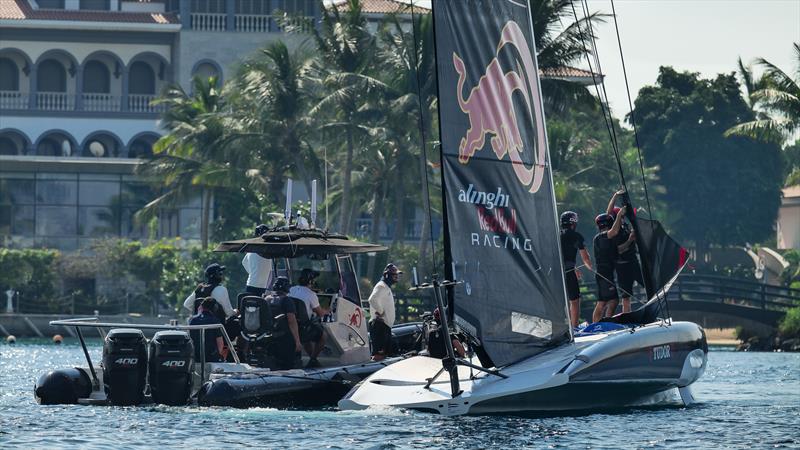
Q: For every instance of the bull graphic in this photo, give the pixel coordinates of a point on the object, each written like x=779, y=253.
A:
x=491, y=111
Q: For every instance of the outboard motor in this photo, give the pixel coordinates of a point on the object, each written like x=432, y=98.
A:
x=256, y=324
x=171, y=364
x=63, y=387
x=124, y=366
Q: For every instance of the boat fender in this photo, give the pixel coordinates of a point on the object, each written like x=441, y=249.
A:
x=63, y=387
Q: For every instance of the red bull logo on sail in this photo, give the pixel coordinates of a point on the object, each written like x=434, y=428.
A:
x=491, y=111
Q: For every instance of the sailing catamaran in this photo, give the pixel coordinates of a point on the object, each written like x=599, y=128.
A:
x=501, y=243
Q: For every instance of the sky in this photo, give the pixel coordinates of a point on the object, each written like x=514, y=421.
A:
x=705, y=36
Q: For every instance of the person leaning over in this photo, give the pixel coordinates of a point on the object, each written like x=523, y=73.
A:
x=285, y=346
x=258, y=268
x=381, y=305
x=605, y=254
x=312, y=334
x=214, y=344
x=571, y=243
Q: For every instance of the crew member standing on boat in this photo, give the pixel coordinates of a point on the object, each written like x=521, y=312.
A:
x=627, y=265
x=572, y=242
x=605, y=255
x=381, y=305
x=312, y=334
x=212, y=287
x=285, y=346
x=258, y=268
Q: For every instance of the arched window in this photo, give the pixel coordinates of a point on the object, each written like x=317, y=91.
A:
x=7, y=146
x=9, y=75
x=51, y=77
x=142, y=79
x=96, y=78
x=207, y=70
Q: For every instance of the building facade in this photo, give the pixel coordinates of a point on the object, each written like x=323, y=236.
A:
x=77, y=82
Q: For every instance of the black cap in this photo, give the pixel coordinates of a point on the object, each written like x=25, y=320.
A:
x=306, y=275
x=391, y=268
x=281, y=284
x=214, y=268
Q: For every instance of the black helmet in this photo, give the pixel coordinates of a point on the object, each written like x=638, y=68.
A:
x=569, y=218
x=281, y=284
x=214, y=272
x=604, y=221
x=306, y=275
x=260, y=230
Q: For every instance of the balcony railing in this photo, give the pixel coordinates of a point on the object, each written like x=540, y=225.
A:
x=208, y=21
x=90, y=102
x=252, y=23
x=13, y=100
x=101, y=102
x=55, y=101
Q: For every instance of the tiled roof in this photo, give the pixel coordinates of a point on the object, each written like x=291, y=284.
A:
x=567, y=72
x=382, y=6
x=21, y=10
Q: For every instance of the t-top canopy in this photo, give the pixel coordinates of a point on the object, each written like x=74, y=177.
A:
x=293, y=243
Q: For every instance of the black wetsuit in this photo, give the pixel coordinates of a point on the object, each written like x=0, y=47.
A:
x=571, y=242
x=605, y=255
x=627, y=265
x=281, y=348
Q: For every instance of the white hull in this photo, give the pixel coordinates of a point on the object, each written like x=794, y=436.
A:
x=606, y=370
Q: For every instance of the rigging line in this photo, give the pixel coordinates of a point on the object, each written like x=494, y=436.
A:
x=615, y=144
x=423, y=139
x=636, y=138
x=595, y=82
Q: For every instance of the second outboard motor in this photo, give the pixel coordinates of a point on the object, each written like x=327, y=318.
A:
x=171, y=365
x=124, y=366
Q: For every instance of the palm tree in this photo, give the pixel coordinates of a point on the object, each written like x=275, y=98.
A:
x=272, y=111
x=190, y=156
x=778, y=97
x=558, y=46
x=347, y=47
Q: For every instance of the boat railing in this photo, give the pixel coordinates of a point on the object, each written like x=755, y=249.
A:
x=92, y=322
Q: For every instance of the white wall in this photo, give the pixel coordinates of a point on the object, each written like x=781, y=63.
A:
x=80, y=50
x=79, y=128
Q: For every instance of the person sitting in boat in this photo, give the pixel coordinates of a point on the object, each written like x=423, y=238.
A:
x=215, y=350
x=258, y=268
x=285, y=346
x=572, y=242
x=381, y=304
x=436, y=334
x=627, y=265
x=312, y=334
x=605, y=255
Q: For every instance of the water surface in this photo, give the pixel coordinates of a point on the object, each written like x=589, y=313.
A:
x=745, y=400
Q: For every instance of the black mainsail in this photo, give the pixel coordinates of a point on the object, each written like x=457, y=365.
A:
x=500, y=218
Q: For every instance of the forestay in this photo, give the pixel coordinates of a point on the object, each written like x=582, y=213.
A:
x=501, y=228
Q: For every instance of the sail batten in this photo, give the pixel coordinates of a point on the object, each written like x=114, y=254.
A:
x=500, y=219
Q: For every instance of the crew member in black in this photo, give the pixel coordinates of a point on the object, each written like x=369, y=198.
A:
x=436, y=342
x=627, y=265
x=571, y=243
x=605, y=255
x=285, y=346
x=214, y=344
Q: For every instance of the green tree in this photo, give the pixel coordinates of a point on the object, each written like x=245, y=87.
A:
x=777, y=94
x=719, y=190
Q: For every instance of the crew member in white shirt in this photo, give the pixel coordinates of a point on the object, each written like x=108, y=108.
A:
x=312, y=333
x=258, y=268
x=212, y=287
x=381, y=305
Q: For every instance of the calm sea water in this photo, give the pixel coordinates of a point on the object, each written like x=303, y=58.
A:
x=746, y=400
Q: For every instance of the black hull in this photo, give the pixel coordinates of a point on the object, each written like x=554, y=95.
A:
x=292, y=389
